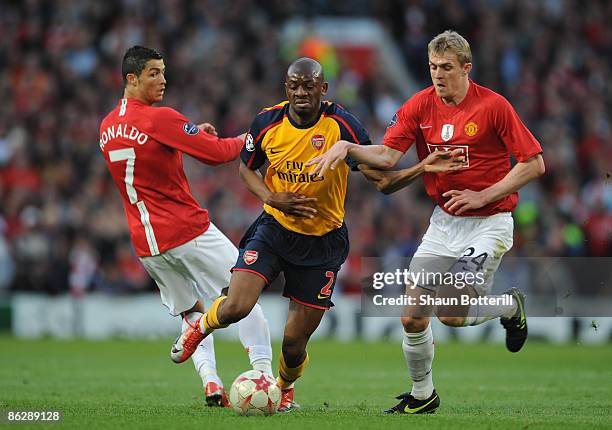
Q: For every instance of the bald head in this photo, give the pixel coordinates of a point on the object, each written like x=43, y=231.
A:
x=306, y=68
x=304, y=86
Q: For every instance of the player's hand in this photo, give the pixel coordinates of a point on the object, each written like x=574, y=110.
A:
x=444, y=161
x=242, y=136
x=463, y=201
x=207, y=127
x=380, y=178
x=293, y=204
x=336, y=154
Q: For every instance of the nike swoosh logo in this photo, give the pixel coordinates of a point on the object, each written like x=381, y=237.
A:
x=425, y=126
x=415, y=410
x=321, y=297
x=272, y=151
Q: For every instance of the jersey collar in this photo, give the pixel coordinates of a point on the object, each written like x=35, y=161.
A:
x=461, y=106
x=308, y=125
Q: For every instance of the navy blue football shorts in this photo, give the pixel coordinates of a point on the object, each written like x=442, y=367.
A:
x=310, y=263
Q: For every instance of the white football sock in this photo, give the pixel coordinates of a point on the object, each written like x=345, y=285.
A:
x=480, y=313
x=204, y=356
x=255, y=337
x=419, y=354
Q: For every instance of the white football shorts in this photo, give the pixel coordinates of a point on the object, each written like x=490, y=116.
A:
x=196, y=270
x=457, y=245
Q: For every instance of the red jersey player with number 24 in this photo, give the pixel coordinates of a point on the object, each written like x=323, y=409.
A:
x=471, y=227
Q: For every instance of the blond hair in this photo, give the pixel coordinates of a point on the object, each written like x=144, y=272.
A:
x=452, y=41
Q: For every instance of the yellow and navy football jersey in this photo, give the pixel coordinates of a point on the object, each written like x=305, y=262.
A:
x=275, y=137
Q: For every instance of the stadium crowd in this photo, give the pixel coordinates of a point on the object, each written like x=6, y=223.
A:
x=61, y=220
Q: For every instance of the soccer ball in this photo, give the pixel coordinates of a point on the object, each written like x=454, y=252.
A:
x=255, y=393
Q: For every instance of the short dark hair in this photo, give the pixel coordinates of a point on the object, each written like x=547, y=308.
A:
x=135, y=59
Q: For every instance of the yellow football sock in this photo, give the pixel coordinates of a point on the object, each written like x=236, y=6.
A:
x=288, y=375
x=210, y=321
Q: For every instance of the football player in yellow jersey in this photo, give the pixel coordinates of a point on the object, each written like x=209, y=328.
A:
x=301, y=231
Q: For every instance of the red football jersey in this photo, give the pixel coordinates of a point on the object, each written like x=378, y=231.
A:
x=484, y=125
x=143, y=147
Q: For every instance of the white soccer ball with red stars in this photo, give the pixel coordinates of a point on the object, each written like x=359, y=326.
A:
x=255, y=393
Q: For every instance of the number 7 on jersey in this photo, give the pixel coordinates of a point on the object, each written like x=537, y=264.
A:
x=129, y=155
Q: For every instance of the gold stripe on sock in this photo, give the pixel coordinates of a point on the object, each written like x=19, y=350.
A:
x=211, y=321
x=288, y=375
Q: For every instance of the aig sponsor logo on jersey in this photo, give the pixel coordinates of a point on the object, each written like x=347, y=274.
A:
x=248, y=143
x=465, y=152
x=447, y=132
x=190, y=128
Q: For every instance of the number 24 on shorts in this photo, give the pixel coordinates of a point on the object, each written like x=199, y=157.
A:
x=478, y=260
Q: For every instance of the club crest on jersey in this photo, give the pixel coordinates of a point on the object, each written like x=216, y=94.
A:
x=248, y=143
x=250, y=257
x=392, y=122
x=447, y=132
x=190, y=128
x=471, y=128
x=317, y=141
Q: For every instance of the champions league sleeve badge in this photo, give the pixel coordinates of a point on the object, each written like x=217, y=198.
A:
x=190, y=128
x=248, y=143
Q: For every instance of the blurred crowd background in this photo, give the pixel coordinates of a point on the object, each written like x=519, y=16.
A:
x=62, y=226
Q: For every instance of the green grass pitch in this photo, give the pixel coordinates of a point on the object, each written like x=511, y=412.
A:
x=133, y=385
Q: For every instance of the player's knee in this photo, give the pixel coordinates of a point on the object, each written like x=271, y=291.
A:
x=414, y=325
x=452, y=321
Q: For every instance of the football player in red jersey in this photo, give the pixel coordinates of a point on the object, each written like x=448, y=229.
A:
x=186, y=255
x=471, y=227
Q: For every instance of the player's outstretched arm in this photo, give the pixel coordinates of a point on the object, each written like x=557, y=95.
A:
x=289, y=203
x=173, y=129
x=378, y=156
x=391, y=181
x=523, y=172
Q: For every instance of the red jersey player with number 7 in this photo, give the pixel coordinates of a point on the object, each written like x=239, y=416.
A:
x=181, y=249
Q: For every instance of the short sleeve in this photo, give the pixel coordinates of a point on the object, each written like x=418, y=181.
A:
x=513, y=133
x=252, y=155
x=402, y=129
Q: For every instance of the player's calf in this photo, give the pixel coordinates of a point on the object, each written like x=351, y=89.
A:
x=414, y=324
x=233, y=311
x=242, y=294
x=452, y=321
